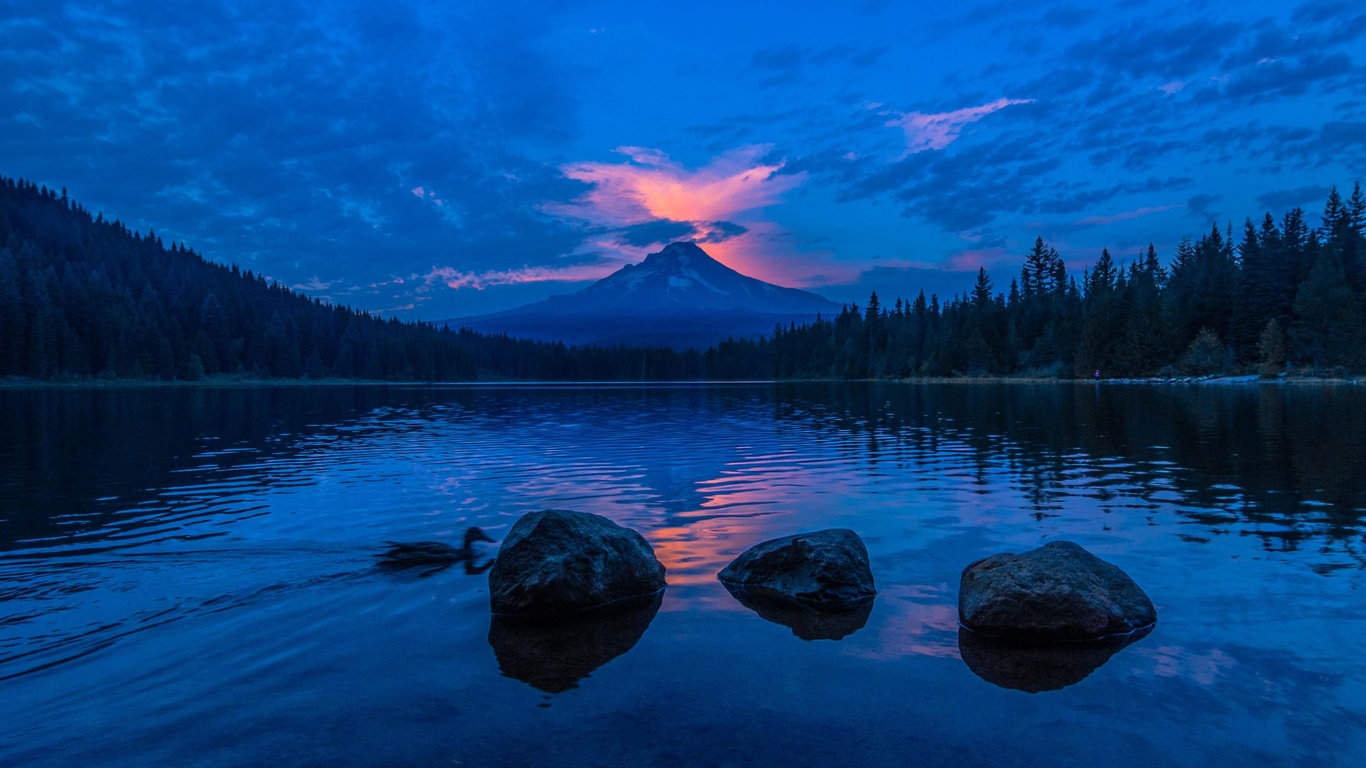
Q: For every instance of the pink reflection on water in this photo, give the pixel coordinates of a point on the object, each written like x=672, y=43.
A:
x=913, y=620
x=1176, y=661
x=694, y=554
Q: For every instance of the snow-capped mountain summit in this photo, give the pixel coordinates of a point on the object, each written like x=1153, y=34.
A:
x=684, y=277
x=679, y=297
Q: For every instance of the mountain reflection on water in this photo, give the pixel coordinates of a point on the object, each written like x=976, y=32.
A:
x=187, y=574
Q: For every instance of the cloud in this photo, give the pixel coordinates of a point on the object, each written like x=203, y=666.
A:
x=722, y=203
x=651, y=187
x=1156, y=48
x=653, y=232
x=296, y=140
x=1067, y=16
x=1099, y=220
x=313, y=284
x=721, y=231
x=785, y=64
x=1114, y=218
x=1280, y=78
x=904, y=281
x=938, y=130
x=1200, y=206
x=975, y=258
x=457, y=279
x=1284, y=199
x=1080, y=198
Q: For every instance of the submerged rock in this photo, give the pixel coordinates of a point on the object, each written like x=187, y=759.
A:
x=1056, y=593
x=825, y=570
x=556, y=564
x=1036, y=668
x=555, y=657
x=806, y=622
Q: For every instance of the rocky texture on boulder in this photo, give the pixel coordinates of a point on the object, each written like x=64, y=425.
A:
x=1056, y=593
x=825, y=570
x=1036, y=668
x=556, y=564
x=555, y=657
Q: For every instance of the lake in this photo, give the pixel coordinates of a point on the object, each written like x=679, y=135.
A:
x=187, y=574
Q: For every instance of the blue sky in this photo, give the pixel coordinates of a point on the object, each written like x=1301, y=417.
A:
x=432, y=162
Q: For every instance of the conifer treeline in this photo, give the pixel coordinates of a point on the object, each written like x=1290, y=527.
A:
x=80, y=296
x=84, y=297
x=1285, y=293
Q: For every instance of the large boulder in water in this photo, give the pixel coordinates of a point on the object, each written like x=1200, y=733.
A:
x=556, y=564
x=1056, y=593
x=826, y=570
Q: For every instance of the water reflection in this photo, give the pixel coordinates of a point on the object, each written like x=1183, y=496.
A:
x=805, y=622
x=1036, y=668
x=555, y=657
x=147, y=533
x=1283, y=462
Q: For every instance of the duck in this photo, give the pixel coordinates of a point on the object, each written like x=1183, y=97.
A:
x=435, y=554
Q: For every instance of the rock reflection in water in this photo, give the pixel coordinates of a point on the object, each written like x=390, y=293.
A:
x=806, y=623
x=1035, y=668
x=555, y=657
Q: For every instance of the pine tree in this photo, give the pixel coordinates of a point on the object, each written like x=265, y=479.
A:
x=1329, y=323
x=1271, y=349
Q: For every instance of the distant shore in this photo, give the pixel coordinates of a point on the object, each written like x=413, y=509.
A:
x=248, y=381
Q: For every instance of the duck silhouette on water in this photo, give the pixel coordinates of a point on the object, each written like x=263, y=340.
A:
x=435, y=555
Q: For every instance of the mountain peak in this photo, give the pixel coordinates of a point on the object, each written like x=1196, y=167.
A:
x=680, y=248
x=680, y=286
x=681, y=252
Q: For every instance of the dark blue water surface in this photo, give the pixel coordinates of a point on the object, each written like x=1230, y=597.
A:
x=187, y=575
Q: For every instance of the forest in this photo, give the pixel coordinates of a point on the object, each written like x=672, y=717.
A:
x=82, y=297
x=1280, y=297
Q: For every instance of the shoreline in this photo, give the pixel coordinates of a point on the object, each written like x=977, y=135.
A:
x=236, y=382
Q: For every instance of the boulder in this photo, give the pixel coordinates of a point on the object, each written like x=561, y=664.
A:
x=556, y=564
x=1056, y=593
x=825, y=570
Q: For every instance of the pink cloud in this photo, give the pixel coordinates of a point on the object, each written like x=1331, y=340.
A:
x=456, y=279
x=652, y=186
x=971, y=260
x=1172, y=87
x=1094, y=221
x=313, y=284
x=735, y=186
x=936, y=131
x=426, y=194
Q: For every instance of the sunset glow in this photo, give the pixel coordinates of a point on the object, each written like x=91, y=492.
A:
x=733, y=188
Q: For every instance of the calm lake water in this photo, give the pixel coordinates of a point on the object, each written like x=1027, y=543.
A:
x=187, y=575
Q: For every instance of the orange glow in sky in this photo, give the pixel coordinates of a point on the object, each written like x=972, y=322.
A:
x=734, y=187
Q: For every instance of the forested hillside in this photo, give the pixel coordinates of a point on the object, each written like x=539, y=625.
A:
x=1284, y=294
x=81, y=296
x=84, y=297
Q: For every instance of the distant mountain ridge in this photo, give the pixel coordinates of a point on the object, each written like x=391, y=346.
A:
x=82, y=297
x=679, y=297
